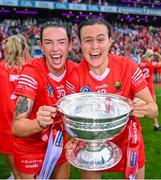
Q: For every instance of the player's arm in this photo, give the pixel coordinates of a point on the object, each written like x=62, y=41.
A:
x=25, y=127
x=22, y=126
x=146, y=105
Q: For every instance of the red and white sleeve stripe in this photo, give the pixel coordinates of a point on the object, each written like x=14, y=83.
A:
x=70, y=87
x=27, y=80
x=138, y=75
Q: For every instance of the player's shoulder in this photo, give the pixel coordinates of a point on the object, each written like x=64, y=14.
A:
x=118, y=58
x=5, y=70
x=83, y=63
x=71, y=64
x=35, y=63
x=121, y=60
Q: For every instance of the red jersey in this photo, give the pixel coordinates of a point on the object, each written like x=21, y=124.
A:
x=37, y=83
x=8, y=81
x=122, y=77
x=148, y=71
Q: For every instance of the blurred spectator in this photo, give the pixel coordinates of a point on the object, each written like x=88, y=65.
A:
x=147, y=66
x=129, y=40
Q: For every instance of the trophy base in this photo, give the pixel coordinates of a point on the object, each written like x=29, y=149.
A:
x=93, y=156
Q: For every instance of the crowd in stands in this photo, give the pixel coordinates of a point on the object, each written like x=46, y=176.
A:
x=96, y=2
x=128, y=40
x=132, y=3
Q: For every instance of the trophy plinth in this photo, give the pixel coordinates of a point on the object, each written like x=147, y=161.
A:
x=94, y=119
x=101, y=157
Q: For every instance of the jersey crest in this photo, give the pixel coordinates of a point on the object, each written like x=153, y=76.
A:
x=45, y=138
x=50, y=90
x=85, y=89
x=117, y=85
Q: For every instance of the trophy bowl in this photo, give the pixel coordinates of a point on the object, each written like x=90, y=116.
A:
x=94, y=119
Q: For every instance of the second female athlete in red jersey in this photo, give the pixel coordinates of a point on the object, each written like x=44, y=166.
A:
x=102, y=72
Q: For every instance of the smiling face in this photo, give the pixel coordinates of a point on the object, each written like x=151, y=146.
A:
x=95, y=43
x=55, y=46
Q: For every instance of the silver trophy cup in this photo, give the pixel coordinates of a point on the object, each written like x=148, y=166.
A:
x=94, y=119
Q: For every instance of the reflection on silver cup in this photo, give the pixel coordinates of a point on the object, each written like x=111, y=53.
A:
x=94, y=119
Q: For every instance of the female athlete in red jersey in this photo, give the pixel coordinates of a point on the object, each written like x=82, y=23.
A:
x=103, y=72
x=16, y=53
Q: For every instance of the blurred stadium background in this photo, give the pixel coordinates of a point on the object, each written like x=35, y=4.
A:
x=136, y=27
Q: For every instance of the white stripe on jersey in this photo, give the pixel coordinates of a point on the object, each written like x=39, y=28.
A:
x=70, y=87
x=136, y=72
x=13, y=77
x=25, y=83
x=71, y=90
x=137, y=75
x=28, y=77
x=140, y=76
x=26, y=80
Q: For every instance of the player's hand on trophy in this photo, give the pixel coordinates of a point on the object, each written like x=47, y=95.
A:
x=139, y=107
x=45, y=116
x=72, y=145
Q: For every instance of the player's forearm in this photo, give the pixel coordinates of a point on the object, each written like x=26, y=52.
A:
x=144, y=104
x=25, y=127
x=141, y=109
